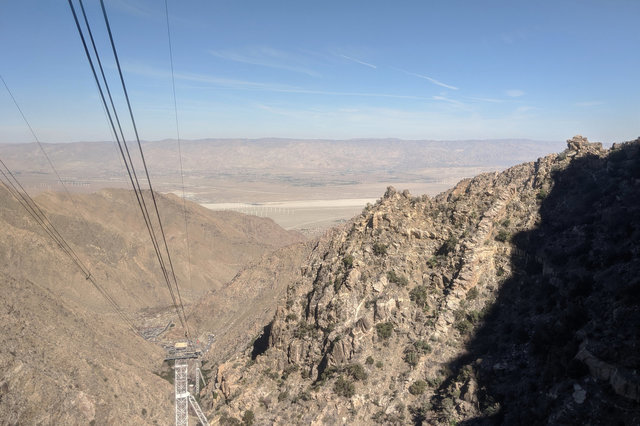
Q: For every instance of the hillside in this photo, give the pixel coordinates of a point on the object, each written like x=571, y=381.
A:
x=107, y=231
x=509, y=299
x=65, y=357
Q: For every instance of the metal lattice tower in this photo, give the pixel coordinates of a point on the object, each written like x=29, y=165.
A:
x=181, y=393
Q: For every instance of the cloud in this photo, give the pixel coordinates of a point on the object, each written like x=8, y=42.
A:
x=430, y=79
x=490, y=100
x=266, y=57
x=588, y=103
x=254, y=85
x=514, y=93
x=359, y=61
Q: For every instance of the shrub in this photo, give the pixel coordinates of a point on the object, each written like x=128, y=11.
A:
x=472, y=294
x=303, y=329
x=248, y=418
x=542, y=194
x=401, y=280
x=356, y=371
x=291, y=317
x=347, y=261
x=432, y=262
x=463, y=326
x=369, y=360
x=502, y=236
x=379, y=364
x=422, y=346
x=448, y=246
x=384, y=330
x=506, y=222
x=419, y=295
x=418, y=387
x=411, y=357
x=379, y=249
x=344, y=388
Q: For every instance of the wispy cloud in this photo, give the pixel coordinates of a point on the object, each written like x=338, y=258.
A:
x=514, y=93
x=490, y=100
x=448, y=100
x=430, y=79
x=588, y=103
x=358, y=61
x=266, y=57
x=235, y=84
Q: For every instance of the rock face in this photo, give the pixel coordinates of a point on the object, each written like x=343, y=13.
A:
x=506, y=299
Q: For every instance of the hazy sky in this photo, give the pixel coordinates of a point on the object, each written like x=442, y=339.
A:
x=331, y=69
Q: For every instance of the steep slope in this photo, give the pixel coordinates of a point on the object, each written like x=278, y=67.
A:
x=107, y=231
x=60, y=366
x=507, y=299
x=65, y=357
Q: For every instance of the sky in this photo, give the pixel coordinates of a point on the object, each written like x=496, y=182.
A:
x=328, y=69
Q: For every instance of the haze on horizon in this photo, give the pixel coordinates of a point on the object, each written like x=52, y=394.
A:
x=456, y=70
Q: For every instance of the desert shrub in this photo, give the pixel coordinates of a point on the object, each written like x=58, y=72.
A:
x=418, y=387
x=344, y=387
x=432, y=262
x=369, y=360
x=248, y=418
x=347, y=261
x=289, y=370
x=419, y=295
x=384, y=330
x=379, y=249
x=422, y=346
x=356, y=371
x=448, y=246
x=411, y=357
x=282, y=396
x=401, y=280
x=502, y=236
x=542, y=194
x=379, y=364
x=291, y=317
x=303, y=329
x=472, y=294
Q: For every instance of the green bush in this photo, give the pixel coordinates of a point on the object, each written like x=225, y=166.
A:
x=347, y=261
x=291, y=317
x=356, y=371
x=401, y=280
x=506, y=222
x=379, y=249
x=344, y=388
x=448, y=246
x=411, y=357
x=419, y=295
x=422, y=346
x=248, y=418
x=418, y=387
x=384, y=330
x=472, y=294
x=502, y=236
x=369, y=360
x=432, y=262
x=542, y=194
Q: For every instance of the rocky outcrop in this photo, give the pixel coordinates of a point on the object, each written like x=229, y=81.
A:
x=441, y=309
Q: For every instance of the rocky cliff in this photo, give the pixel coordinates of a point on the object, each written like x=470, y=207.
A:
x=511, y=298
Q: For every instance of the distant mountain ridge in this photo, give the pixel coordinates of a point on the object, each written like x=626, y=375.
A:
x=271, y=154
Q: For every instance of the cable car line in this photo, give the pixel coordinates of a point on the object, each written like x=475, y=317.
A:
x=175, y=109
x=126, y=155
x=16, y=189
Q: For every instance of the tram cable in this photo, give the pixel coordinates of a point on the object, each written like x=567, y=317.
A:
x=168, y=273
x=15, y=188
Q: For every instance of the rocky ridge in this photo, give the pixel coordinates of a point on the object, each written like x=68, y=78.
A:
x=490, y=303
